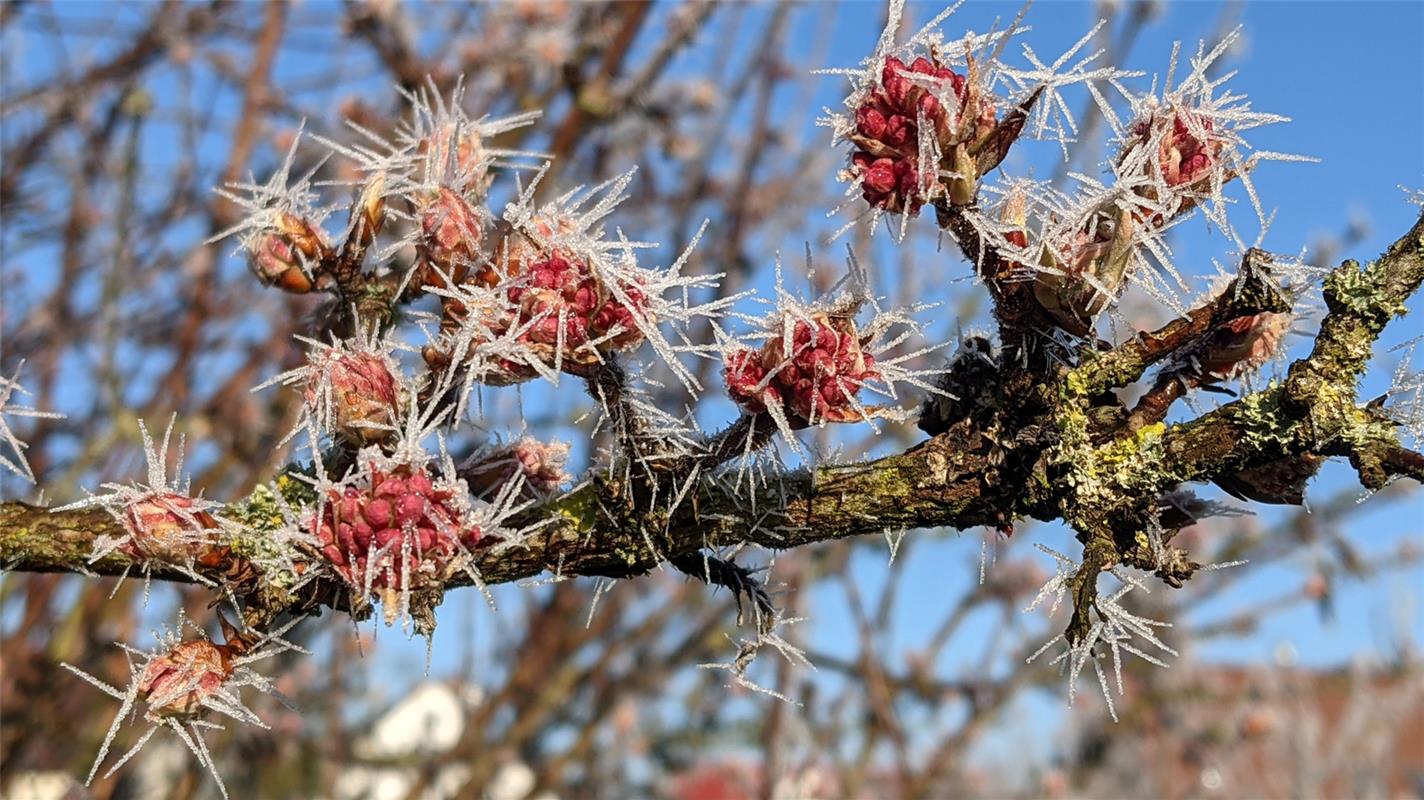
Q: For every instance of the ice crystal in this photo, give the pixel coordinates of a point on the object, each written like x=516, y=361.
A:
x=1113, y=631
x=15, y=461
x=1406, y=392
x=749, y=649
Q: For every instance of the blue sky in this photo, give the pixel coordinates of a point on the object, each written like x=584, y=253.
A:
x=1351, y=75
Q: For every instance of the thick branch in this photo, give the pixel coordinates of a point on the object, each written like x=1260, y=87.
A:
x=936, y=484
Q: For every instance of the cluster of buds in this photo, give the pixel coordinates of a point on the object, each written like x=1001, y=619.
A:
x=538, y=466
x=920, y=120
x=1186, y=147
x=551, y=305
x=353, y=393
x=284, y=254
x=812, y=374
x=393, y=529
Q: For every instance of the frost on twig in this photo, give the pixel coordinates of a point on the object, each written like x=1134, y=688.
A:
x=749, y=649
x=1111, y=633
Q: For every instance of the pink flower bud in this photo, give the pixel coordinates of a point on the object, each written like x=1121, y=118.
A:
x=403, y=523
x=541, y=464
x=816, y=380
x=451, y=232
x=167, y=526
x=175, y=683
x=889, y=159
x=284, y=255
x=364, y=395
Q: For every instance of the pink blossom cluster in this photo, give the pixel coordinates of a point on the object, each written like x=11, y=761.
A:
x=1182, y=157
x=560, y=307
x=400, y=524
x=890, y=161
x=812, y=375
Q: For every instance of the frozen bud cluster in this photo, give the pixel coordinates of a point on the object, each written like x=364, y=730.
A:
x=551, y=306
x=538, y=465
x=919, y=119
x=813, y=373
x=1186, y=150
x=394, y=529
x=175, y=683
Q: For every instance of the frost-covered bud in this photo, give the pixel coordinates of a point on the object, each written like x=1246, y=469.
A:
x=283, y=255
x=456, y=152
x=451, y=232
x=568, y=314
x=364, y=395
x=918, y=120
x=1085, y=269
x=167, y=526
x=368, y=213
x=1183, y=158
x=540, y=464
x=616, y=321
x=177, y=682
x=393, y=529
x=516, y=251
x=1242, y=345
x=816, y=371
